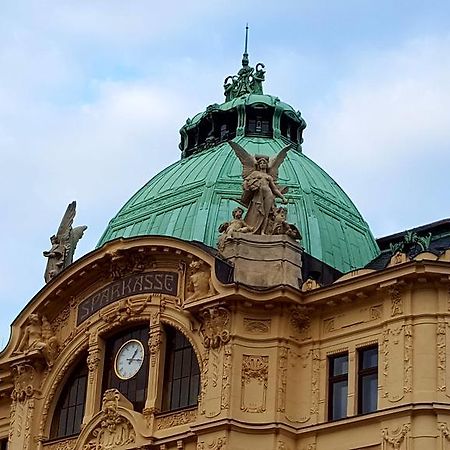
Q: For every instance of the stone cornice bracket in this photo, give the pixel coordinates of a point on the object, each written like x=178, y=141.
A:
x=215, y=328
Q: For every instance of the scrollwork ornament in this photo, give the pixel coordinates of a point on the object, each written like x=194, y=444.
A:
x=396, y=301
x=93, y=361
x=175, y=419
x=123, y=311
x=315, y=381
x=441, y=355
x=393, y=440
x=445, y=432
x=154, y=344
x=282, y=372
x=408, y=368
x=226, y=378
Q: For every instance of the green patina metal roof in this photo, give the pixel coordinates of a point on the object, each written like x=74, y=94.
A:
x=245, y=100
x=193, y=196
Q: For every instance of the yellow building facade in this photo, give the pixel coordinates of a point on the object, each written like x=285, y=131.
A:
x=159, y=342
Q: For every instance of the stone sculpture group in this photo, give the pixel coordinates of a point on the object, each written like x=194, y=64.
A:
x=260, y=189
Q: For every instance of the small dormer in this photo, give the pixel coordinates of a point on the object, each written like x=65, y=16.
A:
x=259, y=120
x=291, y=127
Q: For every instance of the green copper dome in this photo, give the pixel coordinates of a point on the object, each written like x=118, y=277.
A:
x=192, y=197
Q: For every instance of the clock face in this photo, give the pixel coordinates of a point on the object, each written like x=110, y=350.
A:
x=129, y=359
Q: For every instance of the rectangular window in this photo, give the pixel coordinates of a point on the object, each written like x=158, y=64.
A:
x=4, y=444
x=367, y=379
x=337, y=386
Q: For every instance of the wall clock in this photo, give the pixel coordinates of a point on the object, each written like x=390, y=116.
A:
x=129, y=359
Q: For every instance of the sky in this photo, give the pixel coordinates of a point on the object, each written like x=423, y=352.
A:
x=93, y=94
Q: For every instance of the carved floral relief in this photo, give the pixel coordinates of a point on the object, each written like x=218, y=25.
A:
x=254, y=383
x=397, y=361
x=175, y=419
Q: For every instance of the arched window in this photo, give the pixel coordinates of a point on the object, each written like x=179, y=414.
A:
x=182, y=373
x=70, y=407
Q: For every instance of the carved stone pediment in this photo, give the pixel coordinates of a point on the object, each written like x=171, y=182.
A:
x=114, y=428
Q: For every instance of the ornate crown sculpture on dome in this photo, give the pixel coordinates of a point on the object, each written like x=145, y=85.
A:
x=260, y=174
x=248, y=80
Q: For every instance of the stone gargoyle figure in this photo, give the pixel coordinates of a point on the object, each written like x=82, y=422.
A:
x=64, y=243
x=260, y=174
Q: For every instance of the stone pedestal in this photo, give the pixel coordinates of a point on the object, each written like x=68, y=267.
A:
x=264, y=261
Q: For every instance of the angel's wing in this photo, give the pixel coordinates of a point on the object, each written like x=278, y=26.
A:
x=76, y=235
x=275, y=162
x=248, y=161
x=65, y=227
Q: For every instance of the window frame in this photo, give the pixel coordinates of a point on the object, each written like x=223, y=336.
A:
x=333, y=380
x=171, y=349
x=79, y=372
x=363, y=373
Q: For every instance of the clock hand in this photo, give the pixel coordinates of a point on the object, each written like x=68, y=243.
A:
x=131, y=359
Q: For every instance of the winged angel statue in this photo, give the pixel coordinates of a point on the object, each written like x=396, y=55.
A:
x=260, y=174
x=64, y=243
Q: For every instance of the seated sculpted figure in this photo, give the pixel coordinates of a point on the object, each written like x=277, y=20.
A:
x=237, y=224
x=39, y=337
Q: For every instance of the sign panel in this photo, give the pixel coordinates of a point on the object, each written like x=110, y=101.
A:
x=155, y=282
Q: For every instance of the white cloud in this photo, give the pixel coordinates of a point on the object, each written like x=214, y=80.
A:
x=386, y=131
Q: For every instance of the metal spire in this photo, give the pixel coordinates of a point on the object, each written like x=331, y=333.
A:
x=245, y=55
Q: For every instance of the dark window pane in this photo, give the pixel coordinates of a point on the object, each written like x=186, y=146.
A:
x=62, y=422
x=175, y=394
x=339, y=400
x=193, y=394
x=340, y=365
x=369, y=358
x=368, y=380
x=70, y=407
x=369, y=393
x=181, y=382
x=178, y=359
x=70, y=420
x=184, y=392
x=186, y=367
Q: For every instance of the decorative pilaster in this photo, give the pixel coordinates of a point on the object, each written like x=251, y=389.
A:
x=24, y=395
x=95, y=364
x=155, y=341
